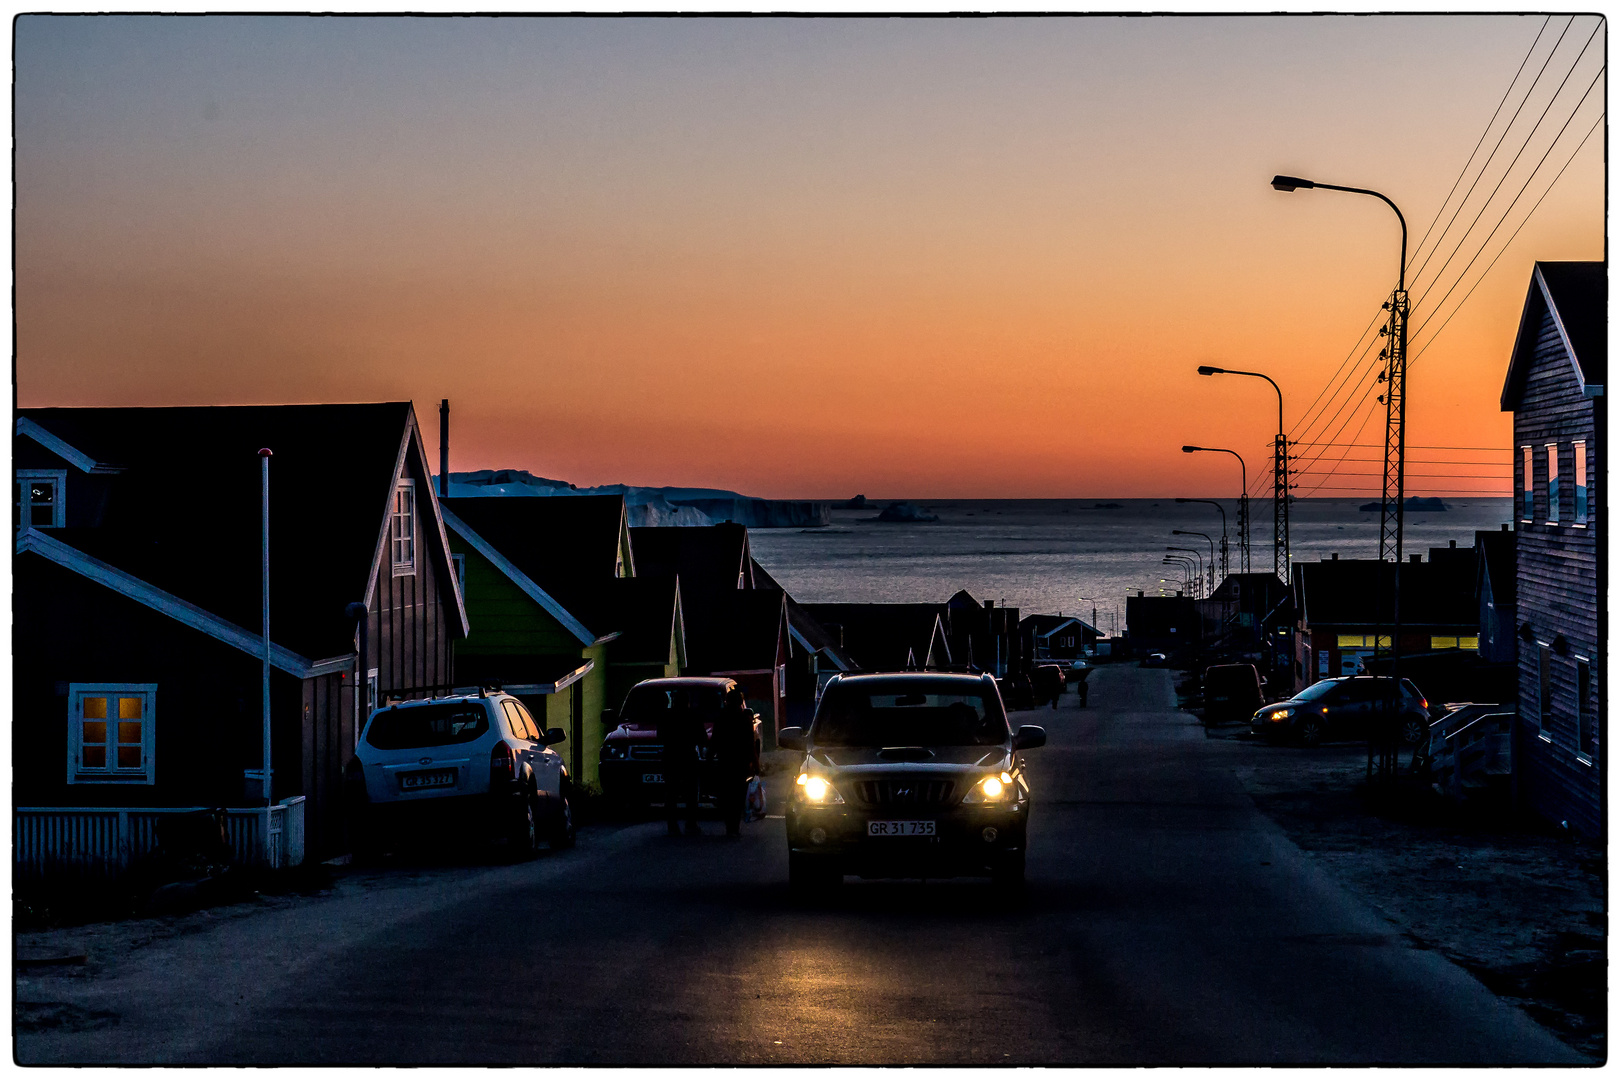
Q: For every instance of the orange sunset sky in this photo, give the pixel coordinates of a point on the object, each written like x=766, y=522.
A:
x=923, y=258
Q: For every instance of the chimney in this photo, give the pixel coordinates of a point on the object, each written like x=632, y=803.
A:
x=988, y=604
x=1138, y=592
x=1454, y=543
x=444, y=447
x=1504, y=526
x=1416, y=559
x=1335, y=556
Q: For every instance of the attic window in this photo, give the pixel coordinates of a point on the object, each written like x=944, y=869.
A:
x=1580, y=483
x=402, y=529
x=39, y=500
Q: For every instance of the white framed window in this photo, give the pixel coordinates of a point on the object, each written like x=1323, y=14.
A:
x=111, y=729
x=1585, y=721
x=1579, y=447
x=1527, y=510
x=39, y=498
x=1544, y=714
x=1552, y=483
x=402, y=529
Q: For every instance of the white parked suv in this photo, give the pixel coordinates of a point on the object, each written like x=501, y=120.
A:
x=473, y=760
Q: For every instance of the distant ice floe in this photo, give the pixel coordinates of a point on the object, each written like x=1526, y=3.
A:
x=662, y=506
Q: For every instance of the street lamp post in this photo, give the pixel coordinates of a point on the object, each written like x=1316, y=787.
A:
x=1196, y=554
x=1392, y=518
x=1188, y=569
x=1279, y=476
x=1206, y=536
x=1243, y=498
x=1225, y=569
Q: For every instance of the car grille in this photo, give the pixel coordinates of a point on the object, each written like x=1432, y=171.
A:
x=900, y=792
x=647, y=753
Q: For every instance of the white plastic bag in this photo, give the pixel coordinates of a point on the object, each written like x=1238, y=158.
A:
x=754, y=806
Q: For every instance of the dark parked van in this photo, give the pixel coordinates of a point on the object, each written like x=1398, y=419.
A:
x=1231, y=692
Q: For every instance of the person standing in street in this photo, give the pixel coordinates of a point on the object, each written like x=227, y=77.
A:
x=680, y=731
x=733, y=746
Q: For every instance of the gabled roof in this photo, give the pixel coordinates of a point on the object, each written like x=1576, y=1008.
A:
x=1576, y=294
x=183, y=515
x=1047, y=625
x=708, y=558
x=886, y=637
x=804, y=628
x=648, y=612
x=566, y=547
x=746, y=629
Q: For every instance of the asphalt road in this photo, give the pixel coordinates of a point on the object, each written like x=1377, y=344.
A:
x=1165, y=922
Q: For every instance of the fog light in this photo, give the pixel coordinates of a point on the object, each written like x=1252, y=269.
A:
x=990, y=834
x=818, y=836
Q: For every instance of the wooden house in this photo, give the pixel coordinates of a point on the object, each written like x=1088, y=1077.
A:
x=138, y=608
x=735, y=625
x=815, y=655
x=1057, y=638
x=889, y=637
x=1554, y=384
x=983, y=637
x=560, y=617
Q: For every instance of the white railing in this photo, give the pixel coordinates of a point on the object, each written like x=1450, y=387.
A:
x=102, y=842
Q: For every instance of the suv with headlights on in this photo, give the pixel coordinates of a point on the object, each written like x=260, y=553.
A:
x=474, y=761
x=912, y=774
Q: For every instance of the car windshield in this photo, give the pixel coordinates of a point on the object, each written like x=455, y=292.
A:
x=1316, y=690
x=414, y=726
x=916, y=714
x=647, y=703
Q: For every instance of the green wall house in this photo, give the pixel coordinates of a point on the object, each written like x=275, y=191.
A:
x=558, y=616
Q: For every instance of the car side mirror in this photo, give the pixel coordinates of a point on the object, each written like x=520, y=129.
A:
x=792, y=738
x=553, y=736
x=1029, y=737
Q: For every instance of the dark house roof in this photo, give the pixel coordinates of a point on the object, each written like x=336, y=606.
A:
x=707, y=558
x=883, y=637
x=741, y=631
x=1045, y=625
x=804, y=627
x=1577, y=295
x=1355, y=592
x=184, y=513
x=568, y=545
x=646, y=608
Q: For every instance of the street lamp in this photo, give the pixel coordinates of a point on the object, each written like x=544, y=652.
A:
x=1279, y=475
x=1224, y=568
x=1390, y=532
x=1206, y=536
x=1189, y=569
x=1196, y=554
x=1243, y=498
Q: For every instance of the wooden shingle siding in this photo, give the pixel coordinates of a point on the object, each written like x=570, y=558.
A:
x=409, y=636
x=1558, y=586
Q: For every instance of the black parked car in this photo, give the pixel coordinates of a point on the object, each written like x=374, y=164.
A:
x=909, y=775
x=1343, y=708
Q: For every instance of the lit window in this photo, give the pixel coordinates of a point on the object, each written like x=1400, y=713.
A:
x=1580, y=482
x=110, y=733
x=1552, y=483
x=403, y=529
x=1528, y=511
x=1363, y=641
x=38, y=498
x=1461, y=642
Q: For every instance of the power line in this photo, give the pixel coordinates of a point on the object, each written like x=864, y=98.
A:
x=1509, y=243
x=1531, y=89
x=1508, y=171
x=1505, y=94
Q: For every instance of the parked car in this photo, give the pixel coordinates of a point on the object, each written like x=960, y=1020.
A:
x=1154, y=659
x=474, y=760
x=1231, y=692
x=911, y=774
x=1046, y=683
x=1342, y=708
x=632, y=759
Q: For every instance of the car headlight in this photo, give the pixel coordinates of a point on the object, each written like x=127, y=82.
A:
x=992, y=789
x=1279, y=714
x=816, y=789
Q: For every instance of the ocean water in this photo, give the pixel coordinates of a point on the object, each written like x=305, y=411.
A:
x=1045, y=555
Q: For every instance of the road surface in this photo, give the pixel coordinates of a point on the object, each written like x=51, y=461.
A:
x=1165, y=922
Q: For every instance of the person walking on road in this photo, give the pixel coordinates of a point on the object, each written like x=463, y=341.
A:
x=733, y=745
x=680, y=731
x=1080, y=687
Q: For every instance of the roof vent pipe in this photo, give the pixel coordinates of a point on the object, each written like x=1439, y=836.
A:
x=444, y=447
